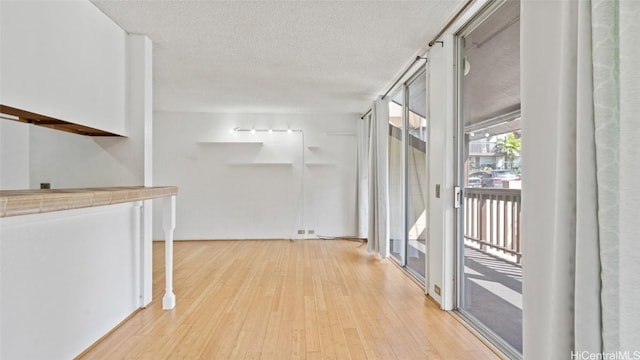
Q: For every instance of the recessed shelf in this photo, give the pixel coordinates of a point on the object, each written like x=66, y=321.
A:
x=255, y=143
x=341, y=133
x=263, y=164
x=321, y=164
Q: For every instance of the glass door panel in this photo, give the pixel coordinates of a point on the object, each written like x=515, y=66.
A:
x=396, y=177
x=416, y=181
x=489, y=242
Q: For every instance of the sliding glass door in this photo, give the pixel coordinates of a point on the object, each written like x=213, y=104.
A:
x=490, y=135
x=408, y=175
x=416, y=181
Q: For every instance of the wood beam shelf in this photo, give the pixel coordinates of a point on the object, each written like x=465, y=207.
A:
x=51, y=123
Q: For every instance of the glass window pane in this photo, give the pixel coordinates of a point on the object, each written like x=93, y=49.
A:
x=491, y=245
x=416, y=145
x=396, y=168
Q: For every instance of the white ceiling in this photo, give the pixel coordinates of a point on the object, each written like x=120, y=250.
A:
x=491, y=86
x=278, y=56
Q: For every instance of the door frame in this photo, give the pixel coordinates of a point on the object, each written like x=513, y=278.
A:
x=403, y=88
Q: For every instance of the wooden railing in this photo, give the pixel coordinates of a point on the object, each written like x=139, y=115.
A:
x=493, y=221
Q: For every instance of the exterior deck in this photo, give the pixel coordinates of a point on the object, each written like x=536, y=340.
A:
x=492, y=261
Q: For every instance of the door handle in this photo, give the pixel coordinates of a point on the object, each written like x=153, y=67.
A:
x=457, y=197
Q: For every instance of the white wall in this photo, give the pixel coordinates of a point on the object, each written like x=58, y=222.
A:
x=64, y=59
x=237, y=186
x=140, y=145
x=77, y=65
x=67, y=279
x=99, y=76
x=14, y=155
x=441, y=170
x=442, y=116
x=69, y=160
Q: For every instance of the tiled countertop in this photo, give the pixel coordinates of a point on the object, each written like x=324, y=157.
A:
x=25, y=202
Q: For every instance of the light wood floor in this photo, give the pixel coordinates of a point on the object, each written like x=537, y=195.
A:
x=308, y=299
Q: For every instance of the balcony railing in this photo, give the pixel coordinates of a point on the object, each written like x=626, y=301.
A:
x=486, y=148
x=493, y=221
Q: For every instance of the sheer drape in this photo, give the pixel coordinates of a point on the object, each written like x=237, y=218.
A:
x=580, y=106
x=616, y=64
x=378, y=178
x=363, y=176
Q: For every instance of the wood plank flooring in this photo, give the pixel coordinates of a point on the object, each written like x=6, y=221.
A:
x=280, y=299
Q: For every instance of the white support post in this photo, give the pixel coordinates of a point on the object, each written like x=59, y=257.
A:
x=146, y=255
x=169, y=224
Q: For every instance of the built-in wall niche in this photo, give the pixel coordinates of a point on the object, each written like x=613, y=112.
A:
x=13, y=114
x=222, y=143
x=321, y=164
x=318, y=156
x=262, y=164
x=233, y=147
x=340, y=133
x=318, y=159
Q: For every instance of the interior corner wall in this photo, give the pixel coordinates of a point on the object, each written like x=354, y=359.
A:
x=441, y=172
x=14, y=155
x=67, y=160
x=64, y=59
x=257, y=186
x=77, y=65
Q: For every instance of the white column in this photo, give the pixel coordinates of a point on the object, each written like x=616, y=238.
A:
x=169, y=224
x=138, y=278
x=140, y=127
x=146, y=255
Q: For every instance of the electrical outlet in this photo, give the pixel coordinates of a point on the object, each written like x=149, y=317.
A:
x=436, y=288
x=300, y=232
x=311, y=232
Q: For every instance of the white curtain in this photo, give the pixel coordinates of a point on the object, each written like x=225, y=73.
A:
x=378, y=178
x=363, y=176
x=581, y=111
x=616, y=65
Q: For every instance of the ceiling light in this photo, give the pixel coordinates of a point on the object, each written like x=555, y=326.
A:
x=289, y=131
x=270, y=131
x=486, y=135
x=253, y=131
x=231, y=131
x=472, y=134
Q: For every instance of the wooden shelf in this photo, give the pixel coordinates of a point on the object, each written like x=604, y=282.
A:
x=52, y=123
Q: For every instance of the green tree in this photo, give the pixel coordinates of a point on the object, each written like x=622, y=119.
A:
x=509, y=146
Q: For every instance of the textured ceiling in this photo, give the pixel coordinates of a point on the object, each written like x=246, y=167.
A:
x=277, y=56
